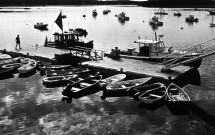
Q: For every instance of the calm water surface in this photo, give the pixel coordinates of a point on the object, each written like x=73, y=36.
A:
x=27, y=107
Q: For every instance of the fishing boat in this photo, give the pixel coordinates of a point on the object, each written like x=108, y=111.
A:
x=177, y=99
x=155, y=22
x=67, y=39
x=122, y=16
x=191, y=18
x=66, y=72
x=177, y=14
x=153, y=98
x=41, y=26
x=94, y=12
x=26, y=68
x=58, y=81
x=161, y=12
x=151, y=50
x=8, y=61
x=54, y=67
x=82, y=88
x=120, y=88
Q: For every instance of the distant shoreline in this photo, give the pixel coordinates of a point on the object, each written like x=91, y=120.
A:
x=150, y=4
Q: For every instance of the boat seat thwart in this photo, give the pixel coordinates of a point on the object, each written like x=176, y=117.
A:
x=153, y=95
x=74, y=89
x=85, y=84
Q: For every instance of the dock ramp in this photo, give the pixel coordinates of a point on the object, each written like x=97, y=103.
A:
x=89, y=53
x=191, y=56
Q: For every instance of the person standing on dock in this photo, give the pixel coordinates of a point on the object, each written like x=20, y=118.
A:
x=18, y=42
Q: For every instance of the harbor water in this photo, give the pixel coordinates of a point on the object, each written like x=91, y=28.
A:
x=27, y=107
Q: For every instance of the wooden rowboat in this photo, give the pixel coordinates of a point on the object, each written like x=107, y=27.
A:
x=58, y=81
x=54, y=67
x=119, y=89
x=154, y=95
x=4, y=56
x=112, y=79
x=153, y=98
x=176, y=94
x=177, y=99
x=139, y=90
x=69, y=71
x=82, y=88
x=26, y=68
x=8, y=61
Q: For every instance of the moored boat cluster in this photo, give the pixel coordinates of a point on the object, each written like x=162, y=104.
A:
x=77, y=82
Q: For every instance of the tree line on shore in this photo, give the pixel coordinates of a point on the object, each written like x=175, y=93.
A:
x=149, y=3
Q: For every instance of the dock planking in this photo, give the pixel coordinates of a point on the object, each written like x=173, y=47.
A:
x=138, y=67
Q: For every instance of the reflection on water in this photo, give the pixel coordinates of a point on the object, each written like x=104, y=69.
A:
x=26, y=106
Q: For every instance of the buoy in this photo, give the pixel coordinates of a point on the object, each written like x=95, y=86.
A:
x=182, y=28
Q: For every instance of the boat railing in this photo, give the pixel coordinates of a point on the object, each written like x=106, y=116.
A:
x=90, y=53
x=189, y=54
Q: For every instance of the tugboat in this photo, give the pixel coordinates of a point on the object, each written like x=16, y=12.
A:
x=66, y=40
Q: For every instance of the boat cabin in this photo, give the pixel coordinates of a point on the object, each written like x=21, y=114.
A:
x=150, y=48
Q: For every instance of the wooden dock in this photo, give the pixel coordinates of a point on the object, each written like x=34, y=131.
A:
x=131, y=66
x=137, y=66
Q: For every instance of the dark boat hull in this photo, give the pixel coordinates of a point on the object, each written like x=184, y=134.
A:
x=93, y=88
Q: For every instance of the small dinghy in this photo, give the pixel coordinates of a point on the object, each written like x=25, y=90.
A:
x=112, y=79
x=154, y=98
x=65, y=72
x=177, y=99
x=26, y=68
x=58, y=81
x=5, y=56
x=139, y=90
x=54, y=67
x=15, y=66
x=82, y=88
x=118, y=89
x=154, y=95
x=8, y=61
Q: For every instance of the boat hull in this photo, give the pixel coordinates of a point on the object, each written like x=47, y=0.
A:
x=70, y=90
x=119, y=89
x=177, y=100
